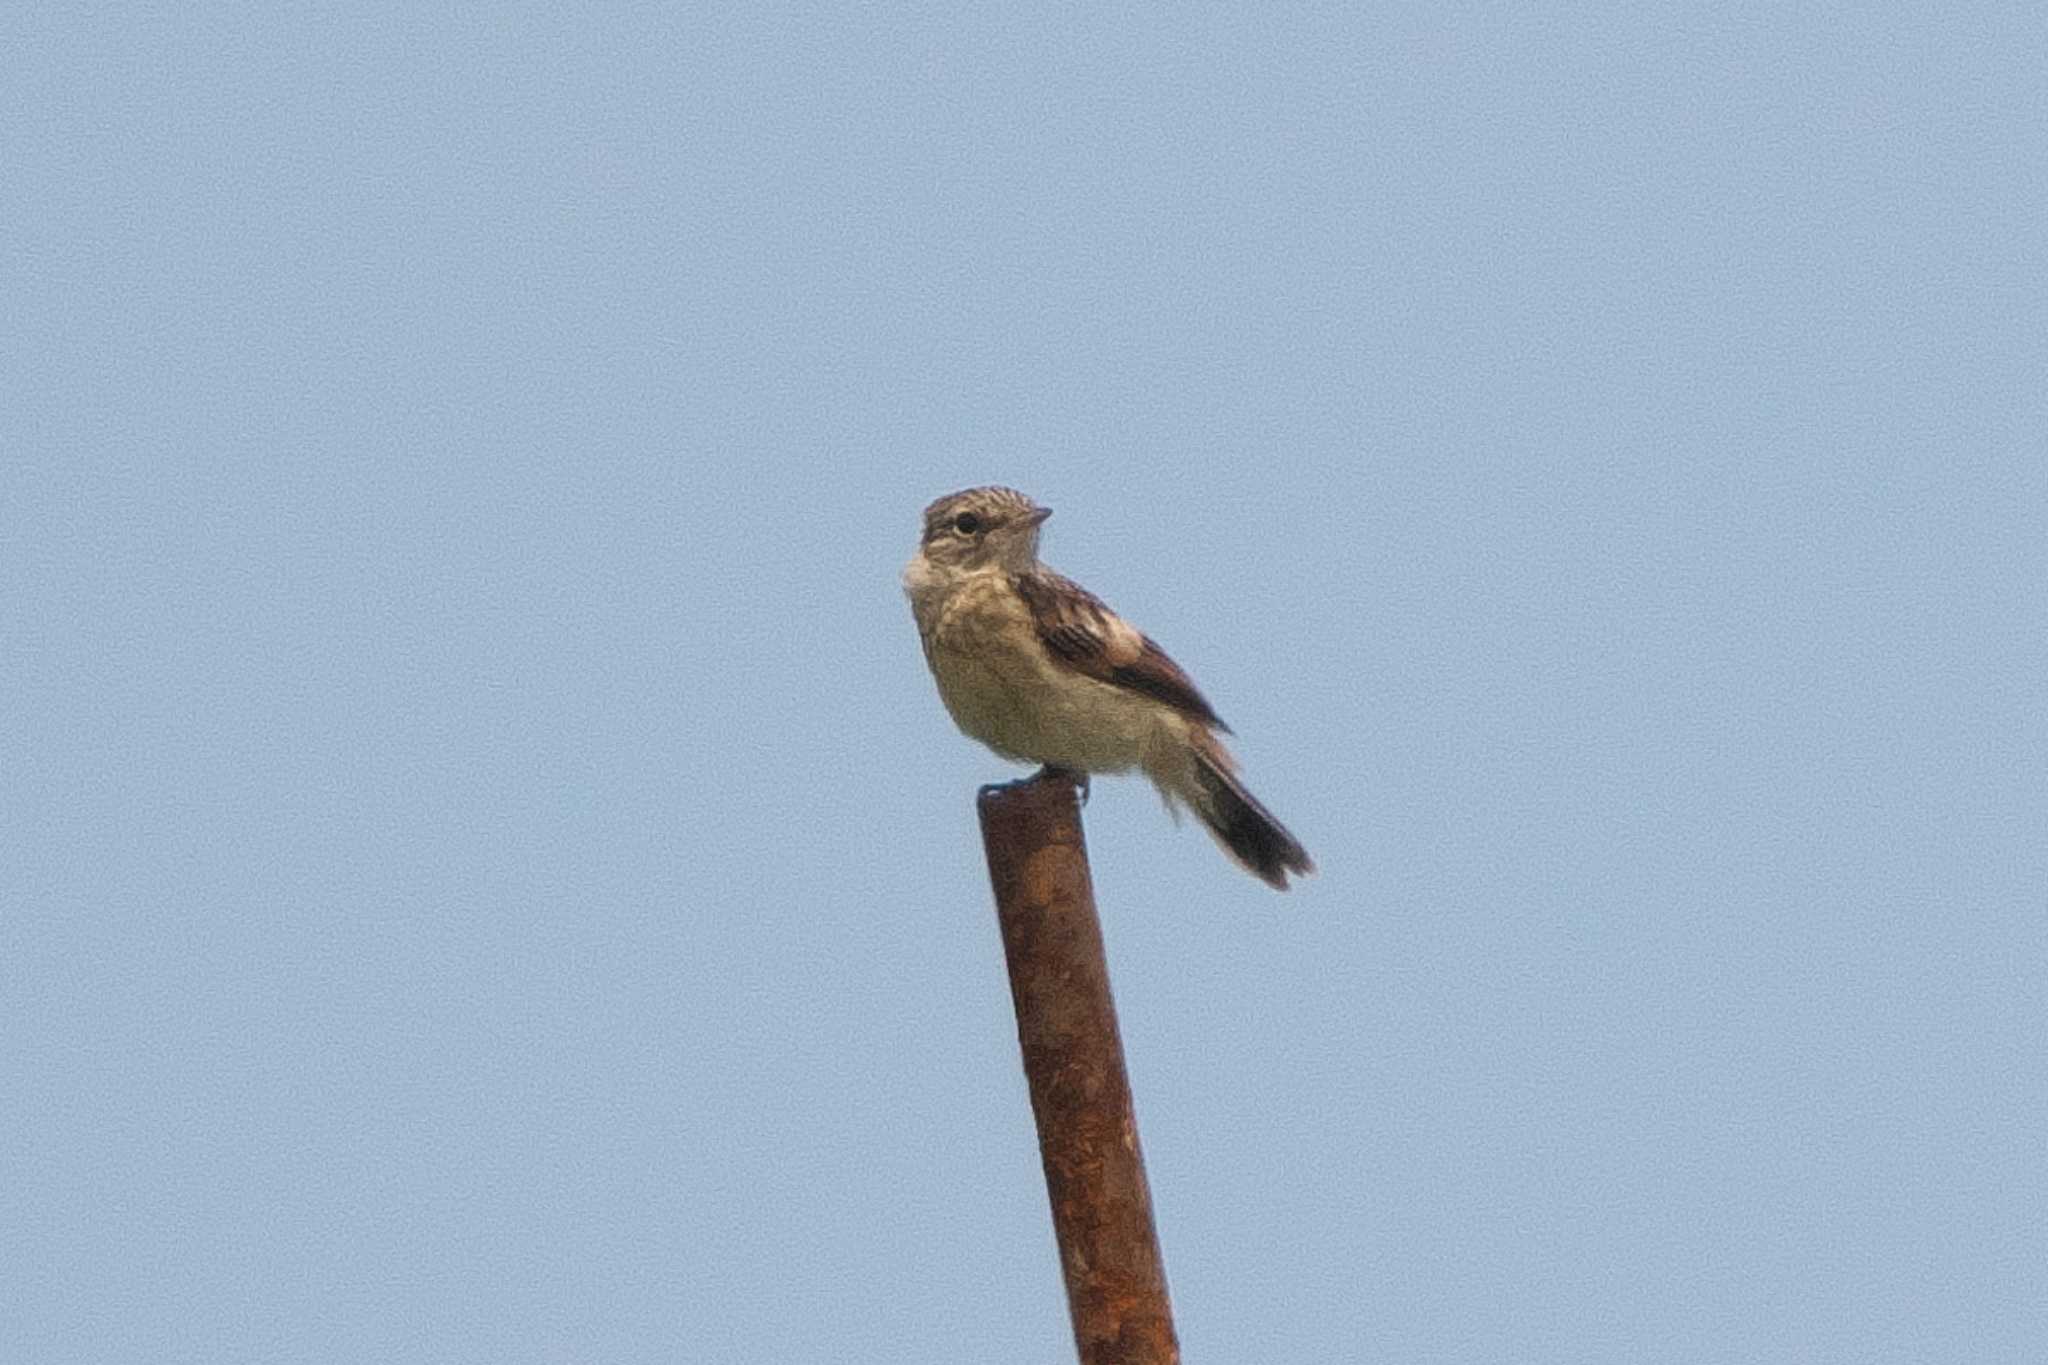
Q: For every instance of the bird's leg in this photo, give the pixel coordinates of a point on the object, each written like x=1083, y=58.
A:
x=1073, y=775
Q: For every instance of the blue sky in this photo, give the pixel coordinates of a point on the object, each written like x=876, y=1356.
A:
x=484, y=875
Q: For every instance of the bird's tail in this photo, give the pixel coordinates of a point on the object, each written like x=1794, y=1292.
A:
x=1246, y=830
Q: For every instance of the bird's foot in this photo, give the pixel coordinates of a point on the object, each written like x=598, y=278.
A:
x=1073, y=775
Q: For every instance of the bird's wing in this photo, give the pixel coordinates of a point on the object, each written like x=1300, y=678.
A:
x=1080, y=632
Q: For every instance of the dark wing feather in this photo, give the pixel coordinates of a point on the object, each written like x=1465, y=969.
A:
x=1081, y=632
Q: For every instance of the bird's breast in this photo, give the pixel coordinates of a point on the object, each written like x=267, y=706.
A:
x=1002, y=687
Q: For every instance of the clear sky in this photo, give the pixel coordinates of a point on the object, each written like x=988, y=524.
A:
x=484, y=875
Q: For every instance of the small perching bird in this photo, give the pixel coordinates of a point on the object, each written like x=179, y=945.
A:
x=1041, y=671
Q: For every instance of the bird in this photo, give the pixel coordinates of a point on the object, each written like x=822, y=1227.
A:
x=1040, y=670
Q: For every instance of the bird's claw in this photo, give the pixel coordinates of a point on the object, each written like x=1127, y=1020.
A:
x=1073, y=775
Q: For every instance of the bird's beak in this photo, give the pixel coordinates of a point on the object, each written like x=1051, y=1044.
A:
x=1039, y=514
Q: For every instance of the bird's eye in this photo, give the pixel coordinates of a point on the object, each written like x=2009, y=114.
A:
x=967, y=523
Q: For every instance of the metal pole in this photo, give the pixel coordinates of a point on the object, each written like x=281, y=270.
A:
x=1074, y=1063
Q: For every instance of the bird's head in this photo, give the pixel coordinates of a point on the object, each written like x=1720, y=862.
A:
x=982, y=528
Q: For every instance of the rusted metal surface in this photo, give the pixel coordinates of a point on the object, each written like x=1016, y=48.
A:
x=1074, y=1063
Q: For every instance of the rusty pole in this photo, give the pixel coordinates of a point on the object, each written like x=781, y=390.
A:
x=1074, y=1064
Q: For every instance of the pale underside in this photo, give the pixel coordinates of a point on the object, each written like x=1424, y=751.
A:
x=1041, y=671
x=1003, y=687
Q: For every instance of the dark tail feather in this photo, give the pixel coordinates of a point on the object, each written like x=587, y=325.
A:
x=1246, y=829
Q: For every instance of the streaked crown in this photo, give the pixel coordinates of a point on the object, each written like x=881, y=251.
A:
x=979, y=526
x=990, y=506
